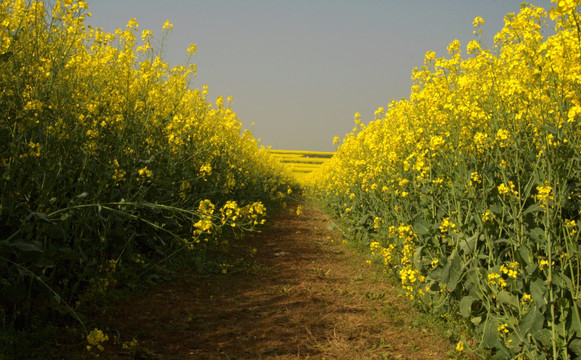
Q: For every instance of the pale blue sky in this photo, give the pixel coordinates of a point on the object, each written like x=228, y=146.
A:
x=301, y=69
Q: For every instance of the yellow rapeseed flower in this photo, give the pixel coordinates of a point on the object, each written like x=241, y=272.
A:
x=544, y=194
x=167, y=25
x=299, y=210
x=96, y=338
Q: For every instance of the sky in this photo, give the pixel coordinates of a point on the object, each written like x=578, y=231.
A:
x=300, y=69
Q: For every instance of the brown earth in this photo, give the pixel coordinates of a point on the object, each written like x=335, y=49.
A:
x=306, y=296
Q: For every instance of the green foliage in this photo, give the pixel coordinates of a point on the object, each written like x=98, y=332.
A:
x=110, y=165
x=470, y=191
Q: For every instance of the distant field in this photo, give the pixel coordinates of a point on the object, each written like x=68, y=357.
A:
x=301, y=163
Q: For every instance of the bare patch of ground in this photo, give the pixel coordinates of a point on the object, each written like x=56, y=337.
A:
x=308, y=297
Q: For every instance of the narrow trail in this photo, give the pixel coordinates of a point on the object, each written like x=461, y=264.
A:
x=308, y=297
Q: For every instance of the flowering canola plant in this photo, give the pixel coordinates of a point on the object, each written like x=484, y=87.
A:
x=469, y=191
x=107, y=154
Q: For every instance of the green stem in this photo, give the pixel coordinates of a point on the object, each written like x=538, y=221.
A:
x=55, y=294
x=551, y=292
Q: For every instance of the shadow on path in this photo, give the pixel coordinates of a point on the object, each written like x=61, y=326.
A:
x=313, y=299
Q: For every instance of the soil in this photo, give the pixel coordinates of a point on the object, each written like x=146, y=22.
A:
x=306, y=295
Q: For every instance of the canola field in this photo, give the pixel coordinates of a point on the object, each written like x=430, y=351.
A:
x=469, y=191
x=301, y=163
x=113, y=167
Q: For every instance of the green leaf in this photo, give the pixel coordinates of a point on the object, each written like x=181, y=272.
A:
x=537, y=234
x=507, y=298
x=364, y=219
x=532, y=321
x=544, y=336
x=501, y=353
x=455, y=273
x=437, y=274
x=444, y=275
x=575, y=320
x=531, y=268
x=538, y=290
x=43, y=262
x=526, y=255
x=465, y=305
x=421, y=227
x=478, y=220
x=468, y=245
x=41, y=216
x=22, y=245
x=471, y=282
x=496, y=209
x=562, y=280
x=418, y=254
x=68, y=254
x=491, y=337
x=532, y=209
x=575, y=346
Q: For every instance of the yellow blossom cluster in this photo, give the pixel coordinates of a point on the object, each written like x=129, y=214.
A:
x=485, y=152
x=544, y=194
x=108, y=152
x=496, y=279
x=509, y=189
x=96, y=338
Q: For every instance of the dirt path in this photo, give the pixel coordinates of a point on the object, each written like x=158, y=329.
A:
x=309, y=297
